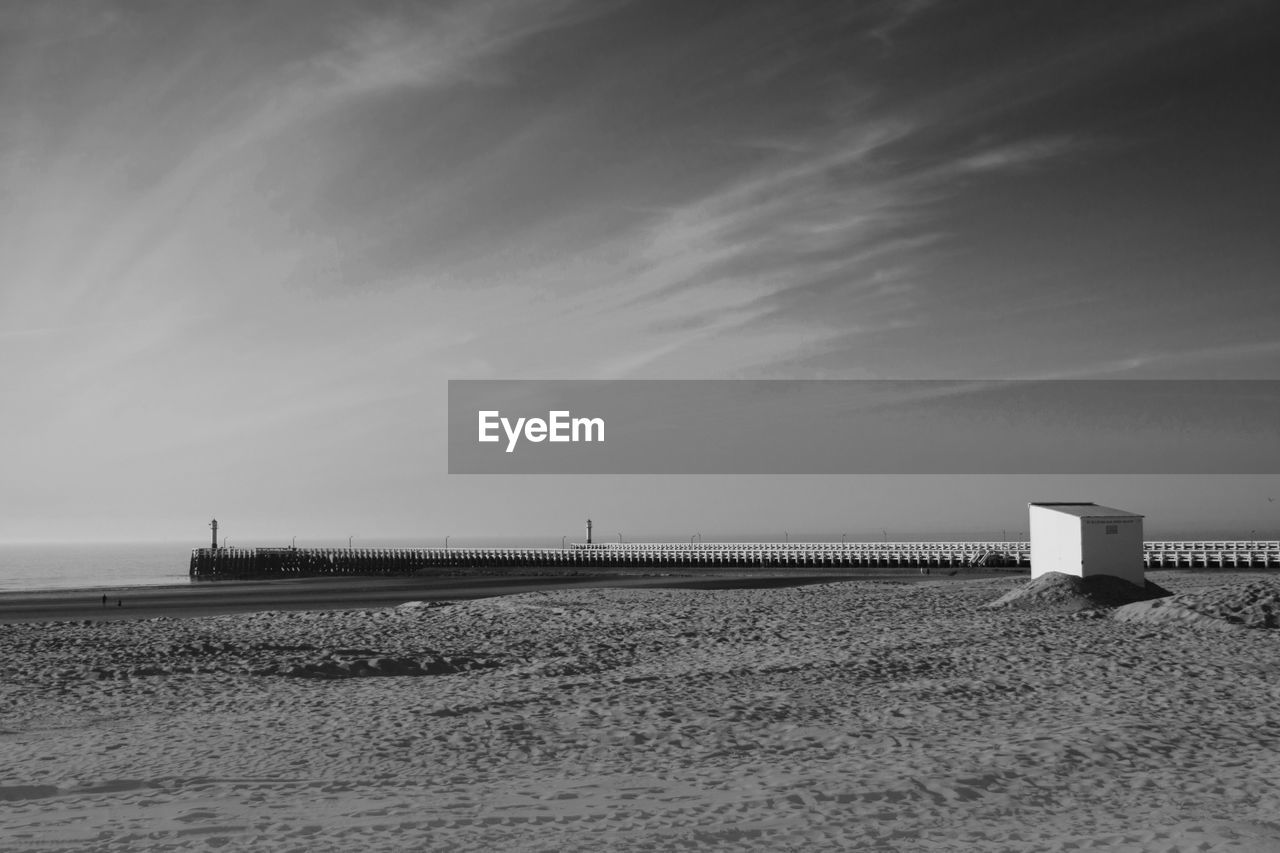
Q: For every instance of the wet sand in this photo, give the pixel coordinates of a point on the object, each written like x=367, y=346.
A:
x=211, y=598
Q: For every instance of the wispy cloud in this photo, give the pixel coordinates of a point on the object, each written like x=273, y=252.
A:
x=900, y=13
x=428, y=45
x=786, y=213
x=1019, y=155
x=828, y=241
x=1256, y=359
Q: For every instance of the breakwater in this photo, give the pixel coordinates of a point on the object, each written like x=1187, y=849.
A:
x=315, y=562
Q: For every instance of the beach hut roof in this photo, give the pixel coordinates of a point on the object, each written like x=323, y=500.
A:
x=1088, y=510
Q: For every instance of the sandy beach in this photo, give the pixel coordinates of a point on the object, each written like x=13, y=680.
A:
x=869, y=715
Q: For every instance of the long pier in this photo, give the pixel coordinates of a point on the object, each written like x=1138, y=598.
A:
x=212, y=563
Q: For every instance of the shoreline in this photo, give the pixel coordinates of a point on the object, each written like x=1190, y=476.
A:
x=222, y=597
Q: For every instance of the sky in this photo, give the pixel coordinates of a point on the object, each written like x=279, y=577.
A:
x=245, y=245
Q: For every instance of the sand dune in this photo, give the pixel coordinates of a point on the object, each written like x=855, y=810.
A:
x=1055, y=591
x=869, y=716
x=1225, y=608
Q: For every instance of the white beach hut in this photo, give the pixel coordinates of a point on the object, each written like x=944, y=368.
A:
x=1085, y=539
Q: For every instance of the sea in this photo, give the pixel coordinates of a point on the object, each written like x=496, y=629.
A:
x=86, y=565
x=89, y=565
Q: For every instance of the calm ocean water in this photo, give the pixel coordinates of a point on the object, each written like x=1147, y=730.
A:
x=81, y=565
x=87, y=565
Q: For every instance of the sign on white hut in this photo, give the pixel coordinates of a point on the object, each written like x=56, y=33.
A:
x=1084, y=539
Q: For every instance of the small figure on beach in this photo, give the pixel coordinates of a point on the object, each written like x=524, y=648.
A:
x=104, y=599
x=119, y=602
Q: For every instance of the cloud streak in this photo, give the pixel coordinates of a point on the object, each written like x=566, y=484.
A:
x=1019, y=155
x=432, y=46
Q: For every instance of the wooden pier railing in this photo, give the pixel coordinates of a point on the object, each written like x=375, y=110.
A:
x=309, y=562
